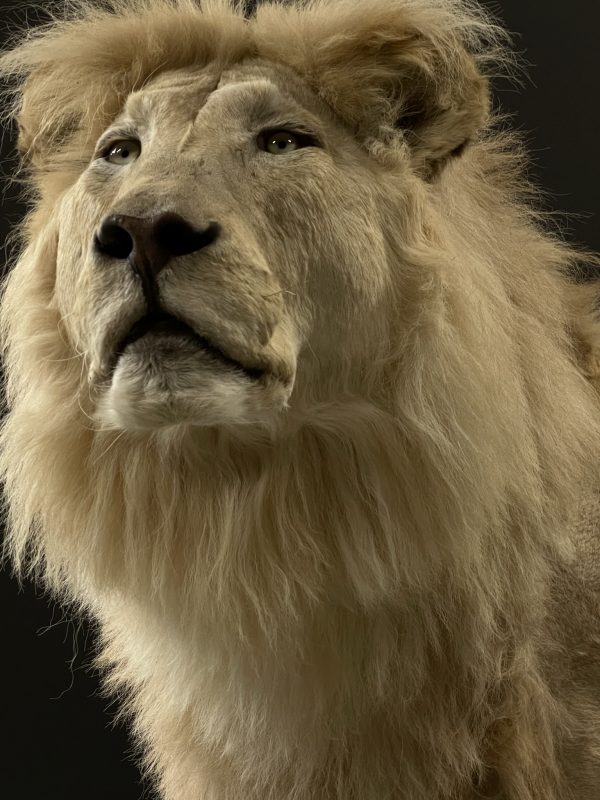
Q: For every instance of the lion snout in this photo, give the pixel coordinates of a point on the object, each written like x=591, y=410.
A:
x=149, y=243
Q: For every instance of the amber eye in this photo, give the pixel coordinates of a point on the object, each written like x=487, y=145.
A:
x=279, y=142
x=123, y=152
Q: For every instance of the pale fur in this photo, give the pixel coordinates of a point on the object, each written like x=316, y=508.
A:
x=357, y=580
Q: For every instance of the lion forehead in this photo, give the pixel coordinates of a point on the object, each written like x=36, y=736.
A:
x=252, y=91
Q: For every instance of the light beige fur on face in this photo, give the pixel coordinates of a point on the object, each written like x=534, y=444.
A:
x=255, y=290
x=359, y=577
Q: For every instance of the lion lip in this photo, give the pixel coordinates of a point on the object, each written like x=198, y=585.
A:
x=163, y=323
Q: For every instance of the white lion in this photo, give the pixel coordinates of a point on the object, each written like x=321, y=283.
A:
x=301, y=401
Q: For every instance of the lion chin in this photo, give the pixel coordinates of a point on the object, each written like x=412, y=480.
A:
x=166, y=380
x=302, y=402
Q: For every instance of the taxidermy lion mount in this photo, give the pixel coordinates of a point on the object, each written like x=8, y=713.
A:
x=302, y=401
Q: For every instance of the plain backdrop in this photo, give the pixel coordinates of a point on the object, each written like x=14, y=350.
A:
x=59, y=740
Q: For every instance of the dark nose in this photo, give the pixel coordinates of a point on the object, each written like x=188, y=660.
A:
x=149, y=243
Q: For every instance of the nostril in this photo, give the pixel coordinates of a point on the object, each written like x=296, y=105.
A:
x=113, y=240
x=178, y=238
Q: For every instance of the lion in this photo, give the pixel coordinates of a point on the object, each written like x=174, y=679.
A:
x=302, y=400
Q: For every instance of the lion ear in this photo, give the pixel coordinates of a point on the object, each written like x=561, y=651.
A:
x=41, y=122
x=428, y=93
x=439, y=114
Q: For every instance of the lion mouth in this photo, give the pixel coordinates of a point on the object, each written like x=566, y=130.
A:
x=161, y=323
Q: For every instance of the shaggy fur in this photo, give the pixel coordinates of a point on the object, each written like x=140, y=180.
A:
x=371, y=574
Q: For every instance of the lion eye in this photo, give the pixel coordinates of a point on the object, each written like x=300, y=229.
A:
x=123, y=152
x=281, y=141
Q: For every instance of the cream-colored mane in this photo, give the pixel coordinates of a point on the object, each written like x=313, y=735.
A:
x=357, y=575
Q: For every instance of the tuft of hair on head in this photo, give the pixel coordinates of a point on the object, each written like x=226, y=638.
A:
x=408, y=73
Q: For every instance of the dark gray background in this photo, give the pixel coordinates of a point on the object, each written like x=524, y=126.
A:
x=56, y=740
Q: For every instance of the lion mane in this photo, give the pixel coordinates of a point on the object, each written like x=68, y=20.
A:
x=381, y=584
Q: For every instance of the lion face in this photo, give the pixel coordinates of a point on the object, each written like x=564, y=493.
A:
x=221, y=223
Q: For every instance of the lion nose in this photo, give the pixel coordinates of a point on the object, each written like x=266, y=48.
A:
x=149, y=243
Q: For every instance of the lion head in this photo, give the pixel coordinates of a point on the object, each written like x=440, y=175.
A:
x=207, y=183
x=294, y=387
